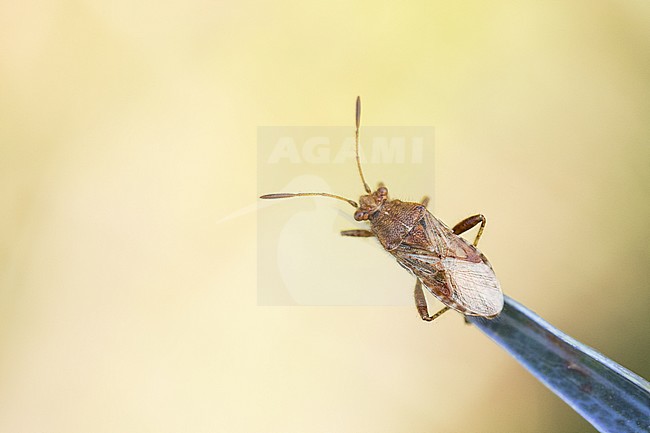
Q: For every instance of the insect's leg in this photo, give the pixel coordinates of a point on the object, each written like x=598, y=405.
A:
x=421, y=304
x=468, y=223
x=425, y=201
x=357, y=233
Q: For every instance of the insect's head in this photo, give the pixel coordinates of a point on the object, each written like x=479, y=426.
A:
x=371, y=203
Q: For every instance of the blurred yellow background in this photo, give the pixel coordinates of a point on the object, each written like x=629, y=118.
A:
x=128, y=132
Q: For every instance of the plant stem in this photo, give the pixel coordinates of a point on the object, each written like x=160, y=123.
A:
x=610, y=397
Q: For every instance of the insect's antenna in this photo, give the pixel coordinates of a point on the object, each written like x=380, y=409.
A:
x=356, y=143
x=307, y=194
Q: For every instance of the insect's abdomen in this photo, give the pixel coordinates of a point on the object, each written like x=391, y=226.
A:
x=468, y=287
x=451, y=269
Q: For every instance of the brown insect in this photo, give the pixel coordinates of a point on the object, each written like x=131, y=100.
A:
x=452, y=269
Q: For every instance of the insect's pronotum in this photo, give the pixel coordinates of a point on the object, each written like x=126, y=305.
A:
x=452, y=269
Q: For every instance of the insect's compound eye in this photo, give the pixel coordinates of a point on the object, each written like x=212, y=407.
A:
x=382, y=191
x=360, y=215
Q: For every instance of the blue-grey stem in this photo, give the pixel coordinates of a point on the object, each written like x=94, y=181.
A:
x=610, y=397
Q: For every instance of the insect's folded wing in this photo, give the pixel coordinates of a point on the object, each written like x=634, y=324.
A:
x=474, y=287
